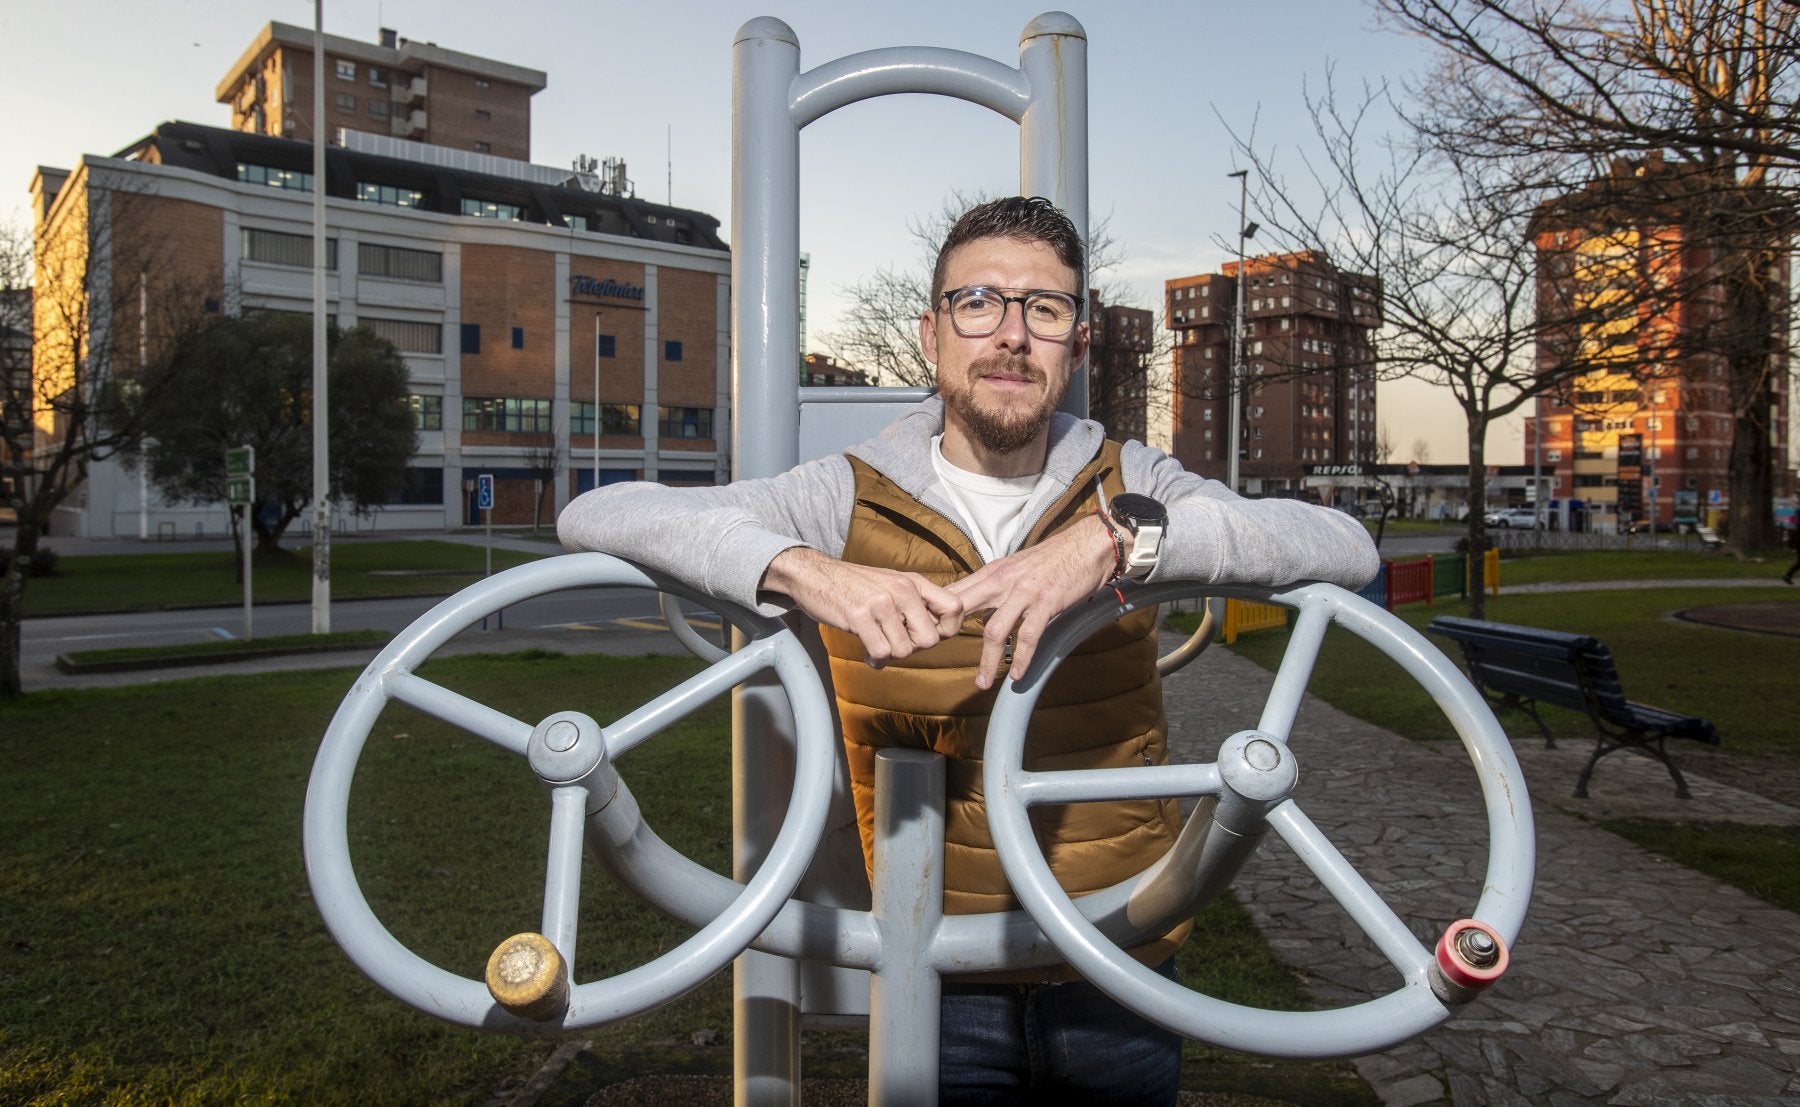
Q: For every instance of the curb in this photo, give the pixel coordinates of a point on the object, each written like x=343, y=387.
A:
x=73, y=667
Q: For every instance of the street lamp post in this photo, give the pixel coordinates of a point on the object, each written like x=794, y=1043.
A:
x=1233, y=430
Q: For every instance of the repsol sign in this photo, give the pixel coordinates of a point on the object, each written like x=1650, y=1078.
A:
x=1334, y=470
x=606, y=288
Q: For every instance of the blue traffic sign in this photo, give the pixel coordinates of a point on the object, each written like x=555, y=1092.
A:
x=484, y=491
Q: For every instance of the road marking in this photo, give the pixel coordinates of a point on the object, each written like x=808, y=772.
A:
x=221, y=632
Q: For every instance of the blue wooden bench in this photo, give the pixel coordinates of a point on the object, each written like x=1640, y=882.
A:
x=1522, y=667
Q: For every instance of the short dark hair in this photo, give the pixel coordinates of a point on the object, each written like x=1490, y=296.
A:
x=1025, y=218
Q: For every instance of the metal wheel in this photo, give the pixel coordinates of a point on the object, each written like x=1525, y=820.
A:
x=528, y=985
x=1245, y=793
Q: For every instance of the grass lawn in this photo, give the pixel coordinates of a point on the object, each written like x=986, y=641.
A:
x=360, y=569
x=1723, y=675
x=1536, y=567
x=162, y=945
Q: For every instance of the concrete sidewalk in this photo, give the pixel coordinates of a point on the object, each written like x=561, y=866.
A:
x=1635, y=980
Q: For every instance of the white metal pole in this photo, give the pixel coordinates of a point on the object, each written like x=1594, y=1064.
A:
x=244, y=539
x=596, y=397
x=143, y=368
x=321, y=583
x=1236, y=369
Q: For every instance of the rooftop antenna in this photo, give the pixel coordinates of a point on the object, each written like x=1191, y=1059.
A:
x=669, y=162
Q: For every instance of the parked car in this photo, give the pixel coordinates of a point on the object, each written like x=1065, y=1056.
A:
x=1663, y=526
x=1513, y=517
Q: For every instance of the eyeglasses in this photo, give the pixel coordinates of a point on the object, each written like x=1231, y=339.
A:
x=978, y=311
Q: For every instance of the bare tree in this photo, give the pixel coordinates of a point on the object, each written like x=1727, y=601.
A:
x=100, y=300
x=1445, y=236
x=544, y=460
x=1709, y=85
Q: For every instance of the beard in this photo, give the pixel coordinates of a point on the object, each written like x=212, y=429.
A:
x=1008, y=429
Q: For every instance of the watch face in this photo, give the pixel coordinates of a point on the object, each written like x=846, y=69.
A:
x=1133, y=509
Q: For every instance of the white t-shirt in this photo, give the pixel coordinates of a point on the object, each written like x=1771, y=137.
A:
x=992, y=507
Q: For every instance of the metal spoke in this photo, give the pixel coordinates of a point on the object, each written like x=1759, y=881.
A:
x=1358, y=898
x=689, y=696
x=460, y=711
x=1137, y=782
x=1297, y=664
x=562, y=872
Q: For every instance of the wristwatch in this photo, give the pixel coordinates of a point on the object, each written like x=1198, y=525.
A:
x=1146, y=520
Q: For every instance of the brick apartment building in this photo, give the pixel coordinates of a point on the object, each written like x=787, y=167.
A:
x=1308, y=395
x=509, y=288
x=1119, y=356
x=1629, y=284
x=397, y=87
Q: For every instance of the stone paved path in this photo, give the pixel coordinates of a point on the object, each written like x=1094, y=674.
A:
x=1635, y=980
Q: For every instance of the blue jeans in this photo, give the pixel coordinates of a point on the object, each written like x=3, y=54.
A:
x=1053, y=1043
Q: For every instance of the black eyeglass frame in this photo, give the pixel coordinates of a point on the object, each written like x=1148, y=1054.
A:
x=1023, y=300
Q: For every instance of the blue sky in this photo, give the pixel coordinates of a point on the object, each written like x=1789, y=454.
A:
x=651, y=83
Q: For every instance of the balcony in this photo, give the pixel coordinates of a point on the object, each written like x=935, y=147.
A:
x=406, y=124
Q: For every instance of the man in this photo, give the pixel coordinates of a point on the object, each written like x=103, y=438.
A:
x=985, y=500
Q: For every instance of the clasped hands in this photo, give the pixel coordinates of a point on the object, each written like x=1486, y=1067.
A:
x=896, y=613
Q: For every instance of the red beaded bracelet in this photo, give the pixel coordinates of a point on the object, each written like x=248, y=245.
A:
x=1118, y=546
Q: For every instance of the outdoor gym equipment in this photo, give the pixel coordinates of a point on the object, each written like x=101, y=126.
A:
x=904, y=940
x=783, y=742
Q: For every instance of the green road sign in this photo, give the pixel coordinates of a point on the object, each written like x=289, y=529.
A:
x=239, y=490
x=240, y=462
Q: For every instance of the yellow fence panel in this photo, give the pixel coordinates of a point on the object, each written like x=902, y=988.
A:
x=1242, y=616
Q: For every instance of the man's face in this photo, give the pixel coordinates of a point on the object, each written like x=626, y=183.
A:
x=1000, y=390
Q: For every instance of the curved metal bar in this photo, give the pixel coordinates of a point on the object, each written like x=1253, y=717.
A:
x=1179, y=658
x=684, y=631
x=955, y=73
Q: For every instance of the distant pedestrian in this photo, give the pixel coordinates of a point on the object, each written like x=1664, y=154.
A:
x=1793, y=544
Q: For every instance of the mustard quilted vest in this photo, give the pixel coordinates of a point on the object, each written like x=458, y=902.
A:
x=1102, y=708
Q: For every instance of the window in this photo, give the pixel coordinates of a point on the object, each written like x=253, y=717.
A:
x=275, y=178
x=377, y=77
x=280, y=248
x=428, y=413
x=399, y=263
x=492, y=209
x=389, y=195
x=605, y=345
x=576, y=222
x=684, y=422
x=518, y=336
x=407, y=336
x=483, y=148
x=378, y=108
x=346, y=101
x=481, y=82
x=471, y=338
x=346, y=70
x=623, y=419
x=498, y=413
x=483, y=115
x=672, y=352
x=422, y=486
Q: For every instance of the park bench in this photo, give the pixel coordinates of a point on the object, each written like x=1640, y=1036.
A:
x=1524, y=666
